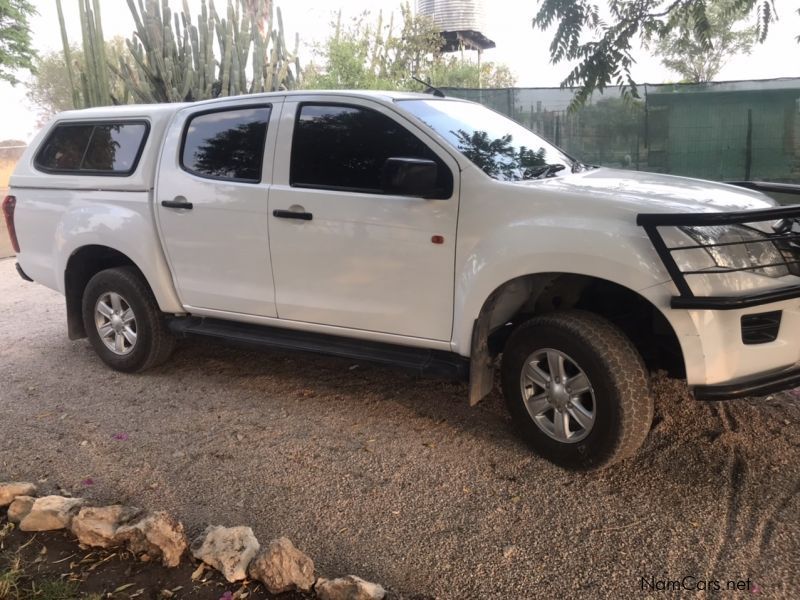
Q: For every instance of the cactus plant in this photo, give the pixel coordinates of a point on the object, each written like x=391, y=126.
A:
x=94, y=87
x=172, y=58
x=173, y=63
x=76, y=97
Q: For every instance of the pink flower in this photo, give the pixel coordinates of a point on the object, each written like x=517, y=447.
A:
x=226, y=596
x=87, y=481
x=120, y=437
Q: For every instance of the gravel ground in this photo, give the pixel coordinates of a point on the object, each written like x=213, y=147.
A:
x=394, y=478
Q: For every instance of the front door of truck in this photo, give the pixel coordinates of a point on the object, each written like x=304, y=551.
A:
x=344, y=252
x=212, y=205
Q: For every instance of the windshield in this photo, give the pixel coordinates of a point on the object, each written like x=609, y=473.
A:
x=502, y=148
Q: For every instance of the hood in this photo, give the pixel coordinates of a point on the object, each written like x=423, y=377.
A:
x=655, y=193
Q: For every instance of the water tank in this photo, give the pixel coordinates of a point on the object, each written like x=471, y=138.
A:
x=461, y=23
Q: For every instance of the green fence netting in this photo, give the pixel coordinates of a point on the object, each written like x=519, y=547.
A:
x=738, y=130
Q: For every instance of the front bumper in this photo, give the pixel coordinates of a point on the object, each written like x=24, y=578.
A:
x=732, y=346
x=760, y=385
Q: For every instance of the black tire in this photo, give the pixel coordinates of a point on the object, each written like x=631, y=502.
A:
x=620, y=398
x=153, y=344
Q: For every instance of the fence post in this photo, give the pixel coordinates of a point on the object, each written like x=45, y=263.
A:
x=558, y=130
x=748, y=156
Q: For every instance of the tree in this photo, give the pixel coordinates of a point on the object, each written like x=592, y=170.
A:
x=602, y=46
x=363, y=54
x=458, y=72
x=684, y=52
x=15, y=38
x=371, y=53
x=51, y=88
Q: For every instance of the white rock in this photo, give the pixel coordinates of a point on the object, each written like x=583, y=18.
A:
x=50, y=513
x=97, y=526
x=283, y=568
x=348, y=588
x=228, y=549
x=157, y=535
x=12, y=489
x=20, y=507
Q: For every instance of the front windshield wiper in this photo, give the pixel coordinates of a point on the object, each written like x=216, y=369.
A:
x=578, y=166
x=546, y=171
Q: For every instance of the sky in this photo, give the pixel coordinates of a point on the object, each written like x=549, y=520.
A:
x=508, y=23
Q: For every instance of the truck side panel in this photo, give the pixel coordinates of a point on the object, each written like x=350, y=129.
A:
x=53, y=224
x=57, y=214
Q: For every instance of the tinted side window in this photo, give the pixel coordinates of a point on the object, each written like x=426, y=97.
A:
x=226, y=144
x=93, y=148
x=346, y=147
x=63, y=150
x=114, y=147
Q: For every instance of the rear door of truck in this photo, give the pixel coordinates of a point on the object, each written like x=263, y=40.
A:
x=211, y=197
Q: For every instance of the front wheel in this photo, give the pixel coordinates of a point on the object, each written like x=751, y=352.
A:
x=577, y=389
x=123, y=322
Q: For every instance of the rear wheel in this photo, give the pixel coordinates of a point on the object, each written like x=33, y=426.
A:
x=123, y=322
x=577, y=389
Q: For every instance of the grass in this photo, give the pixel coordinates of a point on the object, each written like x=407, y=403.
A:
x=10, y=581
x=13, y=585
x=12, y=588
x=54, y=590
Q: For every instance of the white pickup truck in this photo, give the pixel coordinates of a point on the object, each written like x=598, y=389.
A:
x=413, y=230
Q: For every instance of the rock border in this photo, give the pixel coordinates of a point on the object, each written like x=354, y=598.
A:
x=233, y=551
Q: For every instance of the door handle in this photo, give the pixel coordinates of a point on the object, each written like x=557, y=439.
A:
x=291, y=214
x=177, y=202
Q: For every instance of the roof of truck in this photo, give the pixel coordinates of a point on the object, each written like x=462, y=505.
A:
x=134, y=110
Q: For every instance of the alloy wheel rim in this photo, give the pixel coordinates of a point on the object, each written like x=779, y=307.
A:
x=116, y=323
x=558, y=395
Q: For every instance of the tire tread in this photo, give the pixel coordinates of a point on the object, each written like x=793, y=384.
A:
x=619, y=356
x=162, y=342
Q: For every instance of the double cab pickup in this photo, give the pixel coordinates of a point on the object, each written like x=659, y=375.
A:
x=414, y=230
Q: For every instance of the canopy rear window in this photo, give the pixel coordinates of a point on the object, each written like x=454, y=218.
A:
x=93, y=148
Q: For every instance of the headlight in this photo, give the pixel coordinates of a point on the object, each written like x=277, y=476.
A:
x=718, y=242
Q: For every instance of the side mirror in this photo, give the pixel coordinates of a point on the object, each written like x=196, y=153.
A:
x=410, y=177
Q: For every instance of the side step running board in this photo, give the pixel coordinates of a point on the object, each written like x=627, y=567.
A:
x=420, y=360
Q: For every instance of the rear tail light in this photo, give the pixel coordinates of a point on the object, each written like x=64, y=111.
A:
x=9, y=204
